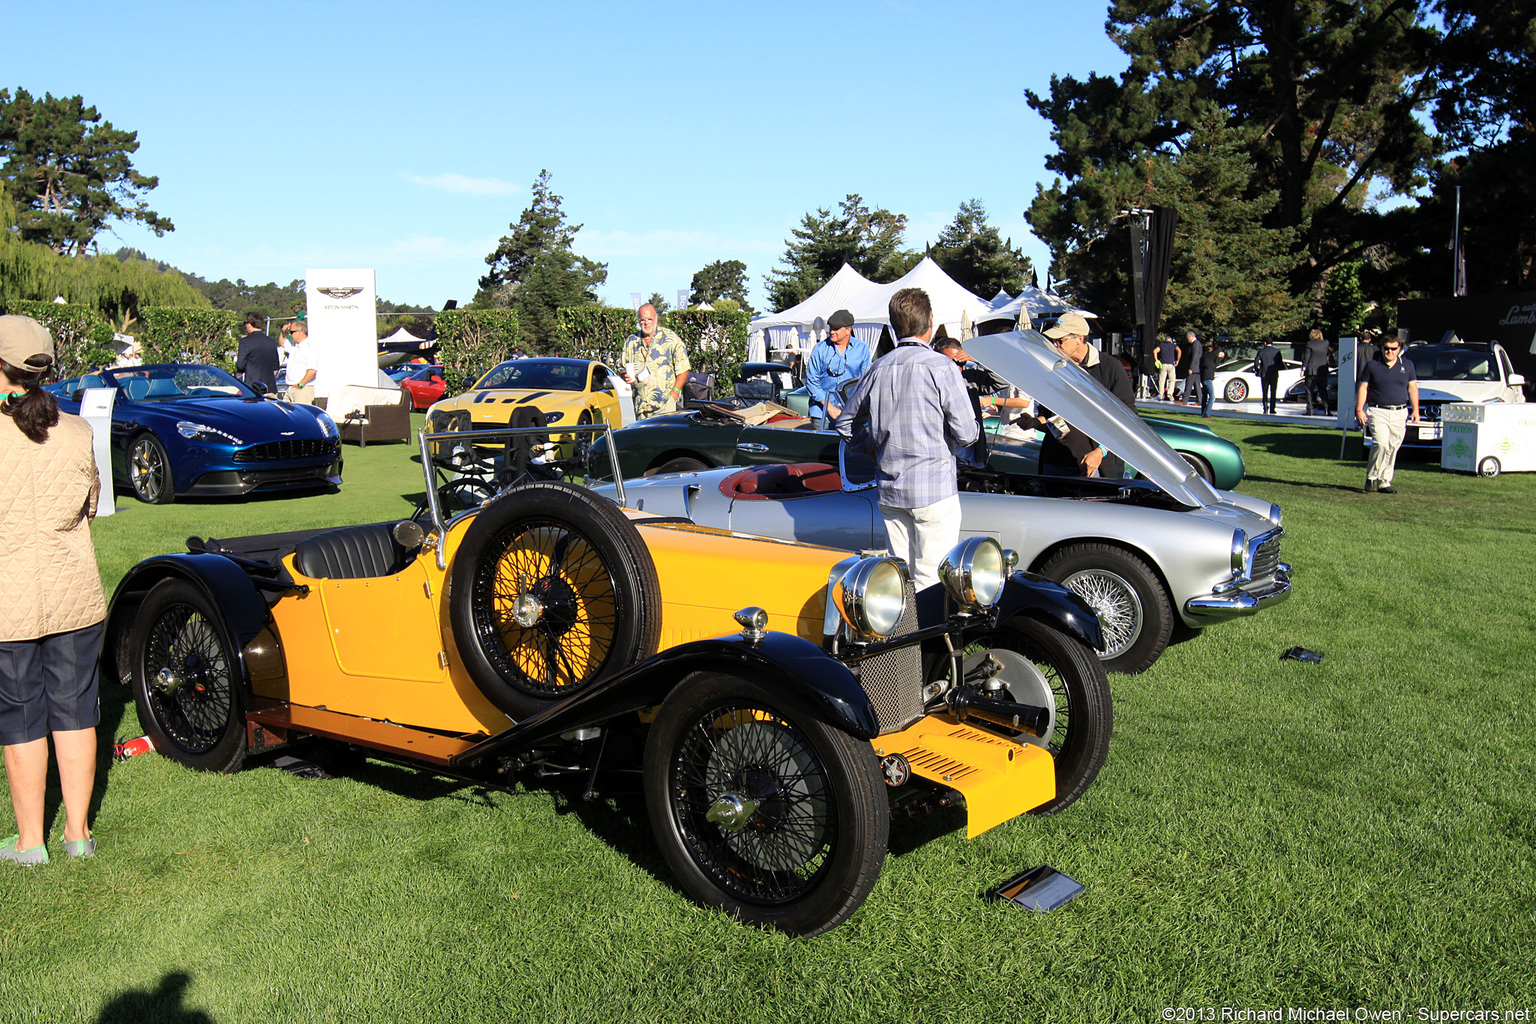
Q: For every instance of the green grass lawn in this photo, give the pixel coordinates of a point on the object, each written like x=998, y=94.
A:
x=1266, y=834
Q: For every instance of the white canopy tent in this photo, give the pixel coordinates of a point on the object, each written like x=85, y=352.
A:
x=401, y=335
x=1036, y=304
x=1002, y=298
x=795, y=329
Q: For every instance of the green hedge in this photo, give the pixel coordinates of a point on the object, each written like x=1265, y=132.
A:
x=716, y=340
x=177, y=334
x=471, y=341
x=592, y=332
x=82, y=338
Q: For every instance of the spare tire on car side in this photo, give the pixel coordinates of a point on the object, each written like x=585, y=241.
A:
x=551, y=590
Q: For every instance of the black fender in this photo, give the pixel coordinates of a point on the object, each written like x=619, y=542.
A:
x=1028, y=593
x=228, y=588
x=808, y=679
x=1025, y=593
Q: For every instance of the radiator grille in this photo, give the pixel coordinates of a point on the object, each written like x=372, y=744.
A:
x=893, y=681
x=1266, y=557
x=273, y=451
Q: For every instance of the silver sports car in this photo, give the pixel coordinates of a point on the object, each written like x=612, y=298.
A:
x=1140, y=551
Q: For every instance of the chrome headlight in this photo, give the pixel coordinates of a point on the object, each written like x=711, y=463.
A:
x=973, y=572
x=1239, y=552
x=869, y=595
x=327, y=425
x=203, y=432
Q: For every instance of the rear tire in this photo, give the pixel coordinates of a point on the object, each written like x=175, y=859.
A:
x=804, y=843
x=188, y=686
x=1236, y=390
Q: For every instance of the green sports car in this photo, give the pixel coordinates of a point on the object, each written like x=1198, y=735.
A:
x=720, y=435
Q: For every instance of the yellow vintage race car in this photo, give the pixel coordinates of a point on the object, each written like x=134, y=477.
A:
x=534, y=392
x=780, y=699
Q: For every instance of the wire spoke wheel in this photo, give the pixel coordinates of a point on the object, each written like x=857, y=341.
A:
x=543, y=565
x=1116, y=604
x=776, y=817
x=552, y=590
x=187, y=681
x=749, y=754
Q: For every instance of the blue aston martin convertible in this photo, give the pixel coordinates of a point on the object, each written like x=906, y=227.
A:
x=194, y=431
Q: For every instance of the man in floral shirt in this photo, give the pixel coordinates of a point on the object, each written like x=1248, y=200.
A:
x=655, y=365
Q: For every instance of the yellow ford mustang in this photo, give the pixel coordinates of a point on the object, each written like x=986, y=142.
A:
x=549, y=629
x=562, y=392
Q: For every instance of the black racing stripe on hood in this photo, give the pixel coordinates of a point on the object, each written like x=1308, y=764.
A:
x=535, y=395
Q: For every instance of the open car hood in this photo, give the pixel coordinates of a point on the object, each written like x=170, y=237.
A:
x=1028, y=361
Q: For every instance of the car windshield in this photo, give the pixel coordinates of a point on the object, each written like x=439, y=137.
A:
x=536, y=374
x=426, y=373
x=175, y=382
x=1435, y=363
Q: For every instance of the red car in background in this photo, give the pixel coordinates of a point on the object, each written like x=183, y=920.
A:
x=425, y=386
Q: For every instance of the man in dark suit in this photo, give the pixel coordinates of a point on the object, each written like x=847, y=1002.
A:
x=1267, y=365
x=1315, y=372
x=256, y=359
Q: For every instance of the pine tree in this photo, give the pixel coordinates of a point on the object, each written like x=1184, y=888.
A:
x=534, y=270
x=973, y=253
x=870, y=240
x=69, y=172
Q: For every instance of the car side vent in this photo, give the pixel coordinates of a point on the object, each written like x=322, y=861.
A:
x=893, y=680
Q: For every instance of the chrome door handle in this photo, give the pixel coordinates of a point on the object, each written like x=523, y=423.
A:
x=752, y=447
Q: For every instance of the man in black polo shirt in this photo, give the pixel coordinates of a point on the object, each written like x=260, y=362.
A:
x=1389, y=388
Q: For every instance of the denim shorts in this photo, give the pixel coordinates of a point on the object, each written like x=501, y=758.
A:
x=49, y=685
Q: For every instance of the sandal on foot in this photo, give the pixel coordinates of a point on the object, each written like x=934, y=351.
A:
x=81, y=847
x=27, y=858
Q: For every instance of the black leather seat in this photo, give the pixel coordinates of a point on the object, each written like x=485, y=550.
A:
x=352, y=553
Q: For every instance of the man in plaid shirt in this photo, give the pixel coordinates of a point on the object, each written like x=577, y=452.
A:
x=911, y=411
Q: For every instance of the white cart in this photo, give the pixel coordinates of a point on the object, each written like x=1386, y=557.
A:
x=1489, y=438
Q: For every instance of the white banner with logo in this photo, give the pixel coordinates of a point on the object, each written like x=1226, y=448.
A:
x=343, y=328
x=96, y=409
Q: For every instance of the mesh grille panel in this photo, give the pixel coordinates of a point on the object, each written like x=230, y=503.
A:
x=893, y=681
x=272, y=451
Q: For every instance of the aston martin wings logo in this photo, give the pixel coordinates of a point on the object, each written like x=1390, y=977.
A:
x=339, y=292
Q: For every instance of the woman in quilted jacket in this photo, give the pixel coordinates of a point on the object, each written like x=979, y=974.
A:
x=51, y=601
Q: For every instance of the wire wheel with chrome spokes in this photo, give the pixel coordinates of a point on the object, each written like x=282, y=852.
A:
x=774, y=816
x=149, y=471
x=551, y=590
x=1128, y=597
x=187, y=681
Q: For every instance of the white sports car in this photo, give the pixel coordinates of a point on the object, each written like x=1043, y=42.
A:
x=1236, y=381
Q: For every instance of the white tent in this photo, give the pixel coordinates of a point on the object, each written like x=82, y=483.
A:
x=401, y=335
x=1037, y=304
x=1002, y=298
x=797, y=328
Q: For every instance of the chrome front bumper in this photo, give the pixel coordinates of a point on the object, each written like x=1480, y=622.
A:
x=1228, y=604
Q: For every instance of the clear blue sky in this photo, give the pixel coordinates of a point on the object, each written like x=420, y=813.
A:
x=404, y=137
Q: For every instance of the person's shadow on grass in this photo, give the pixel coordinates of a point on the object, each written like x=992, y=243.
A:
x=162, y=1006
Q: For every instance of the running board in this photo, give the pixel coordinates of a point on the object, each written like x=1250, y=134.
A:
x=271, y=726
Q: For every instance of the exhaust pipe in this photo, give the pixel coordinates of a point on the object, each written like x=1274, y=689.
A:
x=965, y=702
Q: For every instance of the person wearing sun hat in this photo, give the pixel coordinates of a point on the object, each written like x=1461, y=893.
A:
x=1065, y=450
x=51, y=602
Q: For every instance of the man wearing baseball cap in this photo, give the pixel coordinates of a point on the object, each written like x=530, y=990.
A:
x=836, y=359
x=1065, y=450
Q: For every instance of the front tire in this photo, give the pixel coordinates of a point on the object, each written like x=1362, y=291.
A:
x=1236, y=390
x=1489, y=467
x=149, y=470
x=1133, y=608
x=773, y=816
x=1043, y=666
x=551, y=590
x=187, y=681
